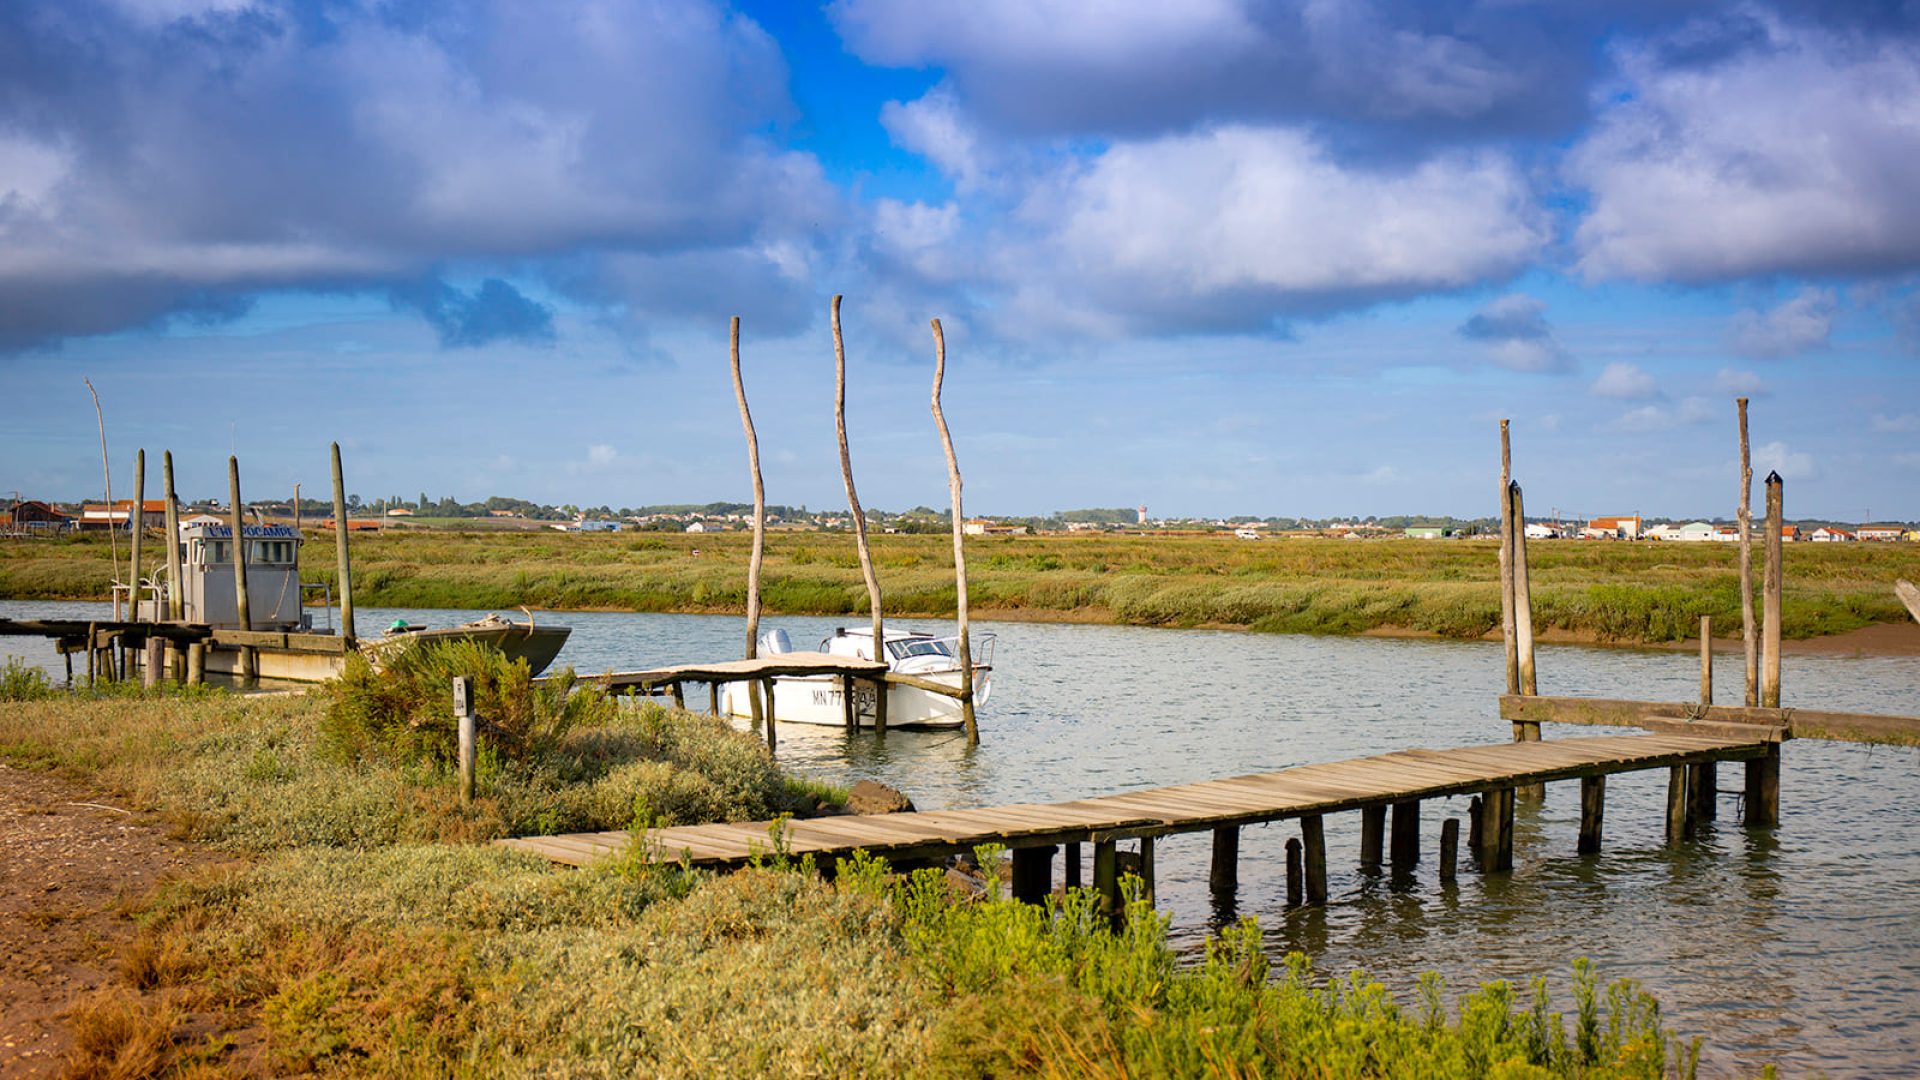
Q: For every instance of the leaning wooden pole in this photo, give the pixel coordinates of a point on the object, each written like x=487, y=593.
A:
x=853, y=504
x=176, y=602
x=1909, y=595
x=1506, y=565
x=959, y=531
x=344, y=562
x=1770, y=597
x=136, y=523
x=113, y=547
x=1522, y=595
x=759, y=516
x=240, y=564
x=1748, y=639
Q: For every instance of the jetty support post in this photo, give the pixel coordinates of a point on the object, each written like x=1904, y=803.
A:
x=176, y=600
x=679, y=695
x=1679, y=801
x=1449, y=848
x=1763, y=773
x=93, y=653
x=1705, y=781
x=1523, y=628
x=773, y=740
x=1070, y=875
x=1476, y=824
x=848, y=717
x=136, y=525
x=1593, y=811
x=1406, y=834
x=463, y=715
x=153, y=661
x=1296, y=889
x=859, y=515
x=1106, y=879
x=1749, y=642
x=1373, y=828
x=1313, y=843
x=1496, y=830
x=196, y=663
x=236, y=516
x=1223, y=876
x=1032, y=874
x=344, y=563
x=959, y=544
x=1146, y=868
x=1506, y=566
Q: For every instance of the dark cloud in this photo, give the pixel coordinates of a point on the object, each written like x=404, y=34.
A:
x=1513, y=329
x=496, y=311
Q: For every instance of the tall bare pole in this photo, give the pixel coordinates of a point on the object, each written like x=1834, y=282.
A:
x=1508, y=629
x=176, y=601
x=113, y=546
x=247, y=669
x=296, y=509
x=1522, y=595
x=1770, y=596
x=340, y=531
x=1748, y=638
x=759, y=517
x=959, y=531
x=853, y=503
x=136, y=521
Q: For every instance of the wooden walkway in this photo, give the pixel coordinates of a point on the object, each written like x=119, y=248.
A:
x=1372, y=784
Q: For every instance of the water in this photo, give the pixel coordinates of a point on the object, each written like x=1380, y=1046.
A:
x=1799, y=947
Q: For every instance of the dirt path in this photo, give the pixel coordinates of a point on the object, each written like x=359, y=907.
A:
x=70, y=866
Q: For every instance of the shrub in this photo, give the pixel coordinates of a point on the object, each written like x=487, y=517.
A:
x=23, y=682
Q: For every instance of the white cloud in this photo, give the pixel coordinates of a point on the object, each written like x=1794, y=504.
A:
x=1626, y=381
x=1799, y=324
x=1796, y=154
x=1739, y=383
x=1051, y=31
x=935, y=127
x=1646, y=418
x=1903, y=423
x=1514, y=332
x=1779, y=457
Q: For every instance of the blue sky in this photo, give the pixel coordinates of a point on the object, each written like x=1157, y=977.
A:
x=1217, y=257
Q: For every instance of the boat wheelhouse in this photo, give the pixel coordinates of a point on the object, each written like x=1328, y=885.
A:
x=818, y=699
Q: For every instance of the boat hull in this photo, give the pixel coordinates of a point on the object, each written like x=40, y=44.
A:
x=818, y=700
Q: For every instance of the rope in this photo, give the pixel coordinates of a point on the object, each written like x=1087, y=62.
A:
x=1696, y=711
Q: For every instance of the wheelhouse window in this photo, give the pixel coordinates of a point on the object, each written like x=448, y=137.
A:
x=918, y=647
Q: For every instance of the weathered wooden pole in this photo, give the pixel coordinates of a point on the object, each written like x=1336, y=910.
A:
x=1705, y=782
x=239, y=564
x=1296, y=876
x=1523, y=601
x=464, y=722
x=1449, y=848
x=1032, y=874
x=1749, y=640
x=136, y=520
x=758, y=554
x=1678, y=803
x=1770, y=600
x=1406, y=834
x=1593, y=813
x=1476, y=827
x=1223, y=875
x=176, y=599
x=1706, y=659
x=1313, y=841
x=1146, y=868
x=1507, y=621
x=345, y=563
x=296, y=511
x=1106, y=879
x=196, y=663
x=1373, y=829
x=859, y=515
x=93, y=647
x=1496, y=830
x=959, y=530
x=1070, y=874
x=106, y=469
x=773, y=741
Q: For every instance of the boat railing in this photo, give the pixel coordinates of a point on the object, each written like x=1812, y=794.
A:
x=980, y=646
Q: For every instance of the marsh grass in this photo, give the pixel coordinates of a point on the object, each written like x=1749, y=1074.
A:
x=1639, y=592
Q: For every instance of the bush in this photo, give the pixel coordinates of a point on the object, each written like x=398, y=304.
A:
x=23, y=682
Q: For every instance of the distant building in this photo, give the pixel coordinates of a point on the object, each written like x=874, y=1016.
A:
x=1426, y=532
x=599, y=526
x=1542, y=531
x=1141, y=515
x=117, y=514
x=500, y=513
x=1880, y=532
x=1831, y=535
x=32, y=515
x=1695, y=532
x=399, y=511
x=353, y=524
x=1613, y=528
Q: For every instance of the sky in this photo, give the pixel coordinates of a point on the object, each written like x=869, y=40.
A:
x=1216, y=257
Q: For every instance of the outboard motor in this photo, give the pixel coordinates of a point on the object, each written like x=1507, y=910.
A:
x=774, y=642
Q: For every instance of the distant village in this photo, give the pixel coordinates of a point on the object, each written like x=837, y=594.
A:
x=36, y=517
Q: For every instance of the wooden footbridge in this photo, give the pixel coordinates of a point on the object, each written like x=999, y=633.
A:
x=1372, y=786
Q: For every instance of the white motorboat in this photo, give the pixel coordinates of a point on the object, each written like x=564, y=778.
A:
x=817, y=699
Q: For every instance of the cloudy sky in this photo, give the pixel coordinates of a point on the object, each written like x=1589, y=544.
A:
x=1217, y=256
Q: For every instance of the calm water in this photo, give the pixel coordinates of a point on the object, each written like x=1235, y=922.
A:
x=1800, y=946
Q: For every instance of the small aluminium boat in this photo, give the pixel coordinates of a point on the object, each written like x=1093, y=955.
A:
x=816, y=699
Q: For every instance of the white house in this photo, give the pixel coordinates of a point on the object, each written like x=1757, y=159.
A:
x=1539, y=531
x=1830, y=536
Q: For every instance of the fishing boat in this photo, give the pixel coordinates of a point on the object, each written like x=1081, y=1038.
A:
x=280, y=633
x=818, y=699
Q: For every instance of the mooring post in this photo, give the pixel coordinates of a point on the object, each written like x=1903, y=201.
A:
x=1593, y=812
x=196, y=663
x=1706, y=659
x=1748, y=641
x=1223, y=875
x=342, y=559
x=959, y=550
x=1770, y=599
x=1523, y=628
x=1106, y=879
x=713, y=698
x=847, y=716
x=679, y=695
x=1763, y=789
x=153, y=660
x=1071, y=874
x=1496, y=830
x=1449, y=847
x=1146, y=868
x=880, y=696
x=463, y=715
x=1032, y=874
x=1476, y=828
x=758, y=551
x=1373, y=828
x=1406, y=834
x=1313, y=843
x=766, y=686
x=1706, y=775
x=1678, y=802
x=1506, y=566
x=246, y=667
x=93, y=653
x=136, y=523
x=859, y=516
x=1295, y=886
x=176, y=600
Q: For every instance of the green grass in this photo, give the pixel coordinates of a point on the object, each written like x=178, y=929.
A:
x=356, y=936
x=1617, y=592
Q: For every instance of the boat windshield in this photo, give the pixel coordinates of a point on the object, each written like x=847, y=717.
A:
x=918, y=647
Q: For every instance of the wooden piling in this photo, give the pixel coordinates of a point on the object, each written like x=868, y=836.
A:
x=1770, y=597
x=1223, y=875
x=859, y=515
x=1507, y=625
x=848, y=717
x=1313, y=842
x=1703, y=780
x=1449, y=848
x=1406, y=834
x=176, y=599
x=679, y=695
x=196, y=663
x=880, y=696
x=1373, y=827
x=1677, y=804
x=1763, y=789
x=1296, y=891
x=152, y=661
x=93, y=653
x=1749, y=641
x=1032, y=874
x=1070, y=875
x=713, y=699
x=246, y=667
x=766, y=686
x=758, y=551
x=1146, y=868
x=1706, y=659
x=136, y=526
x=1106, y=879
x=1593, y=813
x=1496, y=830
x=1476, y=826
x=342, y=559
x=1522, y=598
x=959, y=547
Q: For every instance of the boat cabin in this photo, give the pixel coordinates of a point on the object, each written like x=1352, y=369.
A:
x=909, y=650
x=206, y=578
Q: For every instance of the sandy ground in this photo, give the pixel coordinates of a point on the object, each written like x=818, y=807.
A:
x=73, y=867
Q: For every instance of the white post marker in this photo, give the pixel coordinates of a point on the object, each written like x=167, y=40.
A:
x=463, y=712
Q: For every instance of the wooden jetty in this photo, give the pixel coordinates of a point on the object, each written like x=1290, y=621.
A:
x=1400, y=780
